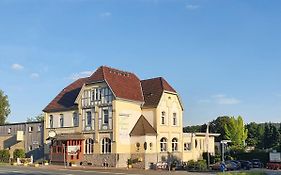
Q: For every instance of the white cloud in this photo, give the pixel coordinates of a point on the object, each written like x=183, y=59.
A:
x=192, y=7
x=17, y=66
x=105, y=14
x=82, y=74
x=221, y=99
x=34, y=75
x=224, y=100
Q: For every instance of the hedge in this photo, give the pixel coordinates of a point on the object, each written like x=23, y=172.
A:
x=4, y=156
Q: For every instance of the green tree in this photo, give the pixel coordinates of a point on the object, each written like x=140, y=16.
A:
x=4, y=107
x=255, y=135
x=38, y=118
x=236, y=131
x=217, y=126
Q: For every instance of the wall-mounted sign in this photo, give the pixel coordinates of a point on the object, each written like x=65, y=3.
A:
x=73, y=150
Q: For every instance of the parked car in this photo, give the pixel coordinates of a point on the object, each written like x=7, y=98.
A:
x=246, y=165
x=257, y=163
x=231, y=166
x=217, y=166
x=237, y=163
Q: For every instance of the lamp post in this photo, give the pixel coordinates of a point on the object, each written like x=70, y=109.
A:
x=223, y=142
x=63, y=145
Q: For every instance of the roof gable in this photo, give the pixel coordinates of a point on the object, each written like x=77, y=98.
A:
x=142, y=127
x=65, y=99
x=153, y=90
x=125, y=85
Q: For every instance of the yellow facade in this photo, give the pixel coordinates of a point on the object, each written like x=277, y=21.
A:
x=122, y=115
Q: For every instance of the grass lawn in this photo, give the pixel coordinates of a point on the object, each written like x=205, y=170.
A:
x=243, y=173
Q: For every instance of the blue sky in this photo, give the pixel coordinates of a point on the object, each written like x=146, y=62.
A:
x=222, y=56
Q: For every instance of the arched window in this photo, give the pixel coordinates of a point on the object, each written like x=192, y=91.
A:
x=106, y=146
x=174, y=144
x=163, y=144
x=89, y=146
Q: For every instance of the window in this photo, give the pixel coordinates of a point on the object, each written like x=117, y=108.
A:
x=89, y=119
x=86, y=98
x=75, y=119
x=51, y=121
x=137, y=146
x=30, y=129
x=89, y=146
x=39, y=128
x=187, y=146
x=196, y=143
x=105, y=116
x=174, y=119
x=9, y=130
x=163, y=144
x=61, y=120
x=106, y=146
x=163, y=118
x=97, y=94
x=174, y=144
x=107, y=95
x=145, y=145
x=150, y=145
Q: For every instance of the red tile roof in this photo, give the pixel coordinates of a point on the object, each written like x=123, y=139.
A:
x=125, y=85
x=153, y=89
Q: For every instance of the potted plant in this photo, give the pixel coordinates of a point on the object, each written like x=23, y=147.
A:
x=36, y=164
x=73, y=164
x=46, y=162
x=130, y=163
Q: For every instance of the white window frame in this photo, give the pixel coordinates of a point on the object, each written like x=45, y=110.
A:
x=106, y=146
x=89, y=146
x=103, y=117
x=75, y=119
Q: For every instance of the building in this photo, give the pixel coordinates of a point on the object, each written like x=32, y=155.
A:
x=27, y=136
x=111, y=116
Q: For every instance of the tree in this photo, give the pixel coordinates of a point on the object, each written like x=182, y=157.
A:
x=4, y=107
x=217, y=126
x=38, y=118
x=255, y=135
x=236, y=131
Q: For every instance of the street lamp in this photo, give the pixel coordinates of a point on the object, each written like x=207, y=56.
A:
x=223, y=142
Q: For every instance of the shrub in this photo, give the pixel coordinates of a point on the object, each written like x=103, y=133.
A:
x=200, y=165
x=19, y=153
x=4, y=156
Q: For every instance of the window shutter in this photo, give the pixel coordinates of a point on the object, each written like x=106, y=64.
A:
x=100, y=119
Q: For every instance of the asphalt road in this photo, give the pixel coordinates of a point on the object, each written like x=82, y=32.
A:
x=16, y=170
